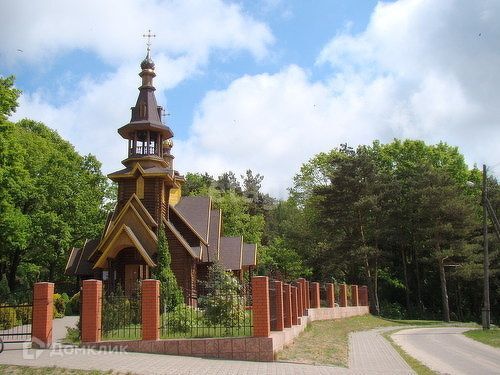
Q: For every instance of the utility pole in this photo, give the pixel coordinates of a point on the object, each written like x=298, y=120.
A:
x=486, y=306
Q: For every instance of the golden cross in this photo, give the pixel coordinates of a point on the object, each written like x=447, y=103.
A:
x=149, y=36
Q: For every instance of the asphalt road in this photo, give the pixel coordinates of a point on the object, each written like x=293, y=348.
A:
x=446, y=350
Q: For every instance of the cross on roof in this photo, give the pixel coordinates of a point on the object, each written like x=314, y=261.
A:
x=149, y=36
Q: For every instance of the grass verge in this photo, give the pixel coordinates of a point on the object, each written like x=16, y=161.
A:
x=416, y=365
x=489, y=337
x=327, y=341
x=25, y=370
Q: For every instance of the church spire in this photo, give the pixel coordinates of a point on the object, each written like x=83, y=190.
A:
x=146, y=131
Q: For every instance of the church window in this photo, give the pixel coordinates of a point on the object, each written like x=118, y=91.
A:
x=140, y=187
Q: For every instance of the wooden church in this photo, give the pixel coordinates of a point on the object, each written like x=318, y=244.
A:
x=149, y=193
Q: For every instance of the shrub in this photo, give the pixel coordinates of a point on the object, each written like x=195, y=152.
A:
x=59, y=305
x=182, y=319
x=223, y=304
x=23, y=314
x=391, y=310
x=8, y=318
x=5, y=294
x=118, y=311
x=73, y=306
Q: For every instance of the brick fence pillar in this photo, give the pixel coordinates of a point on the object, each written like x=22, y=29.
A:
x=330, y=295
x=43, y=304
x=150, y=309
x=343, y=295
x=300, y=299
x=308, y=294
x=278, y=285
x=354, y=295
x=287, y=305
x=260, y=306
x=91, y=311
x=315, y=296
x=303, y=296
x=295, y=307
x=363, y=295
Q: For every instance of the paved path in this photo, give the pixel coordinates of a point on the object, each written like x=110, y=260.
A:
x=370, y=353
x=447, y=350
x=380, y=358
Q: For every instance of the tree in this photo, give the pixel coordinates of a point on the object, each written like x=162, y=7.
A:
x=280, y=262
x=171, y=294
x=51, y=198
x=8, y=97
x=227, y=182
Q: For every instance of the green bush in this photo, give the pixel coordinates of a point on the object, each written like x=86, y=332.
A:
x=119, y=311
x=73, y=306
x=8, y=318
x=223, y=304
x=182, y=319
x=5, y=294
x=391, y=310
x=59, y=305
x=23, y=314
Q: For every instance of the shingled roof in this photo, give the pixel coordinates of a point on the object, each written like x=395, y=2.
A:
x=78, y=263
x=249, y=254
x=230, y=252
x=213, y=236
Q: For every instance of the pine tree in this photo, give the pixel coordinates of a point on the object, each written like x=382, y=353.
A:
x=170, y=293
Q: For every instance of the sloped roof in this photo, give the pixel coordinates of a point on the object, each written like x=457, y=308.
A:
x=135, y=216
x=151, y=171
x=78, y=264
x=194, y=251
x=196, y=210
x=123, y=237
x=213, y=236
x=249, y=256
x=230, y=252
x=183, y=221
x=72, y=261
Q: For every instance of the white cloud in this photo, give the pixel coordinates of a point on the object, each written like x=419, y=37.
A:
x=110, y=29
x=187, y=33
x=421, y=69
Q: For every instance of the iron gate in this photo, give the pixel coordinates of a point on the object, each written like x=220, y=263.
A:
x=15, y=321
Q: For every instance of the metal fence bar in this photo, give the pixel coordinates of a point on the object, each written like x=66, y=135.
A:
x=16, y=316
x=218, y=309
x=121, y=316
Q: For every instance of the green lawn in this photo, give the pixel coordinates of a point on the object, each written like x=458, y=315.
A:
x=24, y=370
x=490, y=337
x=327, y=341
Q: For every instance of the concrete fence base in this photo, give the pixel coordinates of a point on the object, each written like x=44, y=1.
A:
x=238, y=348
x=286, y=337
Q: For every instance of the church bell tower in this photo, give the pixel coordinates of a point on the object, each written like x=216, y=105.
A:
x=149, y=172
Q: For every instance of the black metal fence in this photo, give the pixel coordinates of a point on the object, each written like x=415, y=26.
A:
x=323, y=298
x=216, y=309
x=15, y=318
x=273, y=314
x=121, y=316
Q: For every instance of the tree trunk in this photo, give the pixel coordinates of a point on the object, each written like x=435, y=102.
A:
x=421, y=308
x=372, y=288
x=407, y=286
x=375, y=288
x=444, y=291
x=52, y=268
x=15, y=260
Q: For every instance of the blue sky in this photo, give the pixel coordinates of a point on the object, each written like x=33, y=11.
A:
x=261, y=84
